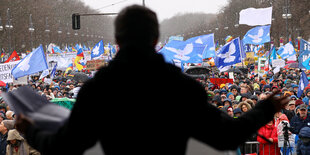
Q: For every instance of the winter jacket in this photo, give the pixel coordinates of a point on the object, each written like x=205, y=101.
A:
x=3, y=143
x=142, y=105
x=268, y=131
x=297, y=123
x=22, y=149
x=303, y=146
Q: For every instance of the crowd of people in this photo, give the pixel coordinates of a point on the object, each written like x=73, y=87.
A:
x=246, y=91
x=234, y=99
x=11, y=141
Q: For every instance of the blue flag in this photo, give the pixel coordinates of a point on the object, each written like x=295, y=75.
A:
x=286, y=51
x=229, y=54
x=303, y=82
x=273, y=54
x=191, y=50
x=257, y=35
x=204, y=43
x=34, y=62
x=97, y=50
x=304, y=45
x=306, y=63
x=53, y=72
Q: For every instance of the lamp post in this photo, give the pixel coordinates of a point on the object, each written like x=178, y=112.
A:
x=31, y=29
x=1, y=29
x=47, y=30
x=68, y=35
x=59, y=33
x=237, y=21
x=9, y=27
x=286, y=15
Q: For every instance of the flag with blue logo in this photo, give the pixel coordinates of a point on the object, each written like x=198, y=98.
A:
x=34, y=62
x=192, y=50
x=273, y=54
x=257, y=35
x=286, y=51
x=304, y=45
x=306, y=63
x=247, y=48
x=303, y=82
x=44, y=74
x=229, y=54
x=204, y=43
x=97, y=50
x=70, y=48
x=53, y=73
x=85, y=48
x=57, y=49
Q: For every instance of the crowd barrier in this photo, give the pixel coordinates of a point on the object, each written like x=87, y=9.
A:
x=252, y=148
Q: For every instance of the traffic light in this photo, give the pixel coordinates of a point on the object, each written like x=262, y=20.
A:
x=76, y=24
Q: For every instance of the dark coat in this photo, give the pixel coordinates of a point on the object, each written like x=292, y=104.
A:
x=297, y=123
x=303, y=148
x=142, y=105
x=3, y=143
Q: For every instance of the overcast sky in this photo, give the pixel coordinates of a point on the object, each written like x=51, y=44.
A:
x=164, y=8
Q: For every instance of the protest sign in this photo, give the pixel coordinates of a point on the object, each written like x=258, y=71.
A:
x=5, y=71
x=219, y=81
x=278, y=63
x=21, y=81
x=94, y=64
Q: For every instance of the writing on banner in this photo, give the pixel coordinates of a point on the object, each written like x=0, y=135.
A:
x=278, y=63
x=95, y=64
x=5, y=71
x=304, y=45
x=303, y=57
x=219, y=81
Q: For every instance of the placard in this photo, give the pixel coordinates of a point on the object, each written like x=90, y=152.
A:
x=5, y=71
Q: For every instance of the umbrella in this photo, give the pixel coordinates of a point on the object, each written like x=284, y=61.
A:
x=235, y=70
x=292, y=65
x=65, y=102
x=197, y=70
x=2, y=84
x=79, y=76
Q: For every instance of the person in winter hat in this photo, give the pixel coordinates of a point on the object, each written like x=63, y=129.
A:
x=17, y=145
x=269, y=131
x=303, y=144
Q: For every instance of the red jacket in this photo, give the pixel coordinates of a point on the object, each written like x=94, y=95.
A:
x=268, y=131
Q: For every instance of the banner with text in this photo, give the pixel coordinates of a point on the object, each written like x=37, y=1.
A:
x=5, y=71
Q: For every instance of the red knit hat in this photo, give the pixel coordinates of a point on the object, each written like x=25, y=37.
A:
x=298, y=102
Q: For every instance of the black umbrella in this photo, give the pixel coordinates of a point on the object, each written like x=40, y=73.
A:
x=79, y=76
x=197, y=70
x=235, y=70
x=293, y=65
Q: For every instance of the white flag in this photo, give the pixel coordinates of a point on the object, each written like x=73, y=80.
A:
x=44, y=74
x=254, y=17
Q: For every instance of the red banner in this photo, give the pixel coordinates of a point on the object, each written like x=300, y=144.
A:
x=219, y=81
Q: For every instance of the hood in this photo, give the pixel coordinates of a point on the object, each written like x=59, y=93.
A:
x=305, y=132
x=14, y=134
x=283, y=117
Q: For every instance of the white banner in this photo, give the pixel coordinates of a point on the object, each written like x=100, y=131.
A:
x=21, y=81
x=253, y=16
x=63, y=60
x=5, y=71
x=278, y=63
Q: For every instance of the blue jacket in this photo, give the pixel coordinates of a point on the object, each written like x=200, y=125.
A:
x=3, y=143
x=297, y=123
x=303, y=146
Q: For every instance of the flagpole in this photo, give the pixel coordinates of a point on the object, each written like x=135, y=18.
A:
x=241, y=51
